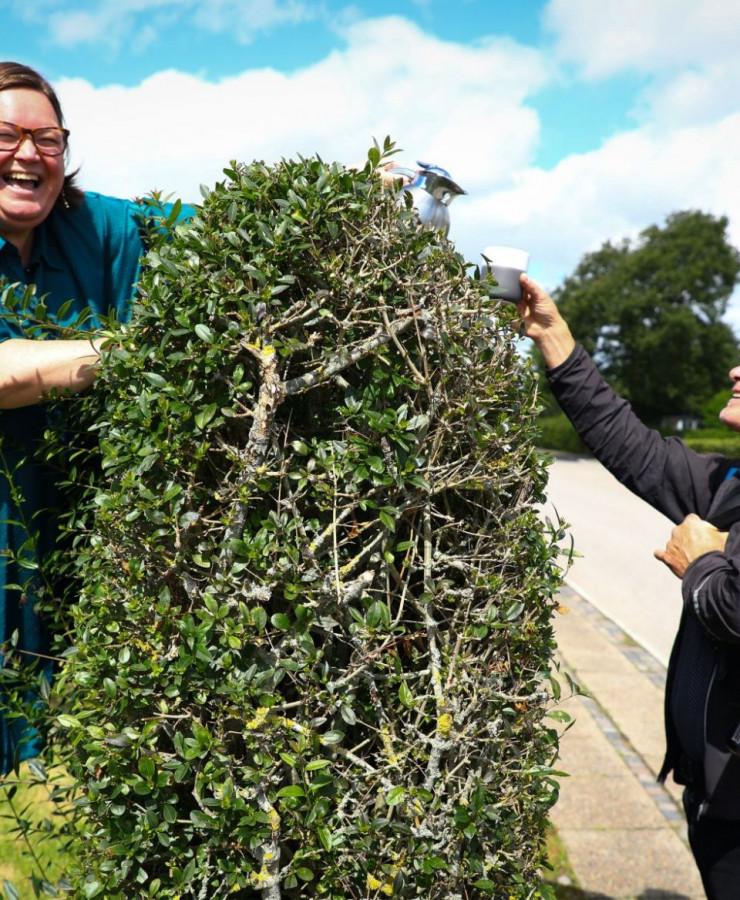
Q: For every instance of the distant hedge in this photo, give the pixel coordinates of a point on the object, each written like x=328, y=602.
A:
x=713, y=440
x=554, y=432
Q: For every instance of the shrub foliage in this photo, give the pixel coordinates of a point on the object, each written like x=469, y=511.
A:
x=313, y=638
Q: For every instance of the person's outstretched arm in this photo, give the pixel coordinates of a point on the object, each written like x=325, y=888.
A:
x=664, y=472
x=31, y=369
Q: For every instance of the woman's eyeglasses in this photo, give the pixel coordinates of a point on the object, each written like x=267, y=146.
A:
x=49, y=141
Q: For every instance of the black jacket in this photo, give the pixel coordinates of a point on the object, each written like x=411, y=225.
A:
x=703, y=682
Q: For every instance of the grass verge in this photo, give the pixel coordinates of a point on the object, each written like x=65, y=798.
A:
x=33, y=855
x=560, y=873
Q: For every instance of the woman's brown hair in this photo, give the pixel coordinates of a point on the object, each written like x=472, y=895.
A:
x=15, y=76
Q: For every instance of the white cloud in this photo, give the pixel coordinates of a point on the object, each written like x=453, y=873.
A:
x=245, y=18
x=686, y=51
x=693, y=95
x=680, y=155
x=118, y=23
x=461, y=107
x=609, y=36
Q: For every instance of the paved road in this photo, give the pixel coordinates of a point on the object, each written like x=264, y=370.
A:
x=616, y=534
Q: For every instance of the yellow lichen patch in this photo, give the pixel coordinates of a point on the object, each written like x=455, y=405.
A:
x=273, y=818
x=385, y=738
x=258, y=878
x=259, y=718
x=384, y=887
x=444, y=725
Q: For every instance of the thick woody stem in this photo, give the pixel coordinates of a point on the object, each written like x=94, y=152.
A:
x=271, y=395
x=270, y=889
x=343, y=360
x=435, y=660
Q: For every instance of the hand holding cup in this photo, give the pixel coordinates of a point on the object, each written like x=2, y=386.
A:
x=506, y=264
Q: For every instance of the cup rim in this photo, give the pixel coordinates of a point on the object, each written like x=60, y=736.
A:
x=512, y=257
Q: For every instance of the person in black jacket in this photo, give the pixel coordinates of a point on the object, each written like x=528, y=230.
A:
x=700, y=493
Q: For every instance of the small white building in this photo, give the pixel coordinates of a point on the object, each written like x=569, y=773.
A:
x=680, y=423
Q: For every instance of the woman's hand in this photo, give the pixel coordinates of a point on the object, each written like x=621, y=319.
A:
x=544, y=324
x=387, y=175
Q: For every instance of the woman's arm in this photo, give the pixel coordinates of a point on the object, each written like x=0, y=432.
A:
x=31, y=369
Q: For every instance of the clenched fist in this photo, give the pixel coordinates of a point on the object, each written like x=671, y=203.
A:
x=691, y=539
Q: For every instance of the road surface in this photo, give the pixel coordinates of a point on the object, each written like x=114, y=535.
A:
x=616, y=533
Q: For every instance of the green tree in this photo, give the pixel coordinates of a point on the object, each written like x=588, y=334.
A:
x=650, y=313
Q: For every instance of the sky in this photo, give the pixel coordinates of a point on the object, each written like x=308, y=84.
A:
x=568, y=122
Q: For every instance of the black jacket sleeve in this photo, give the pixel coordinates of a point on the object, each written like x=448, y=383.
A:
x=662, y=471
x=711, y=594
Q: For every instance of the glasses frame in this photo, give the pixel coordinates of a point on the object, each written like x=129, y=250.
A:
x=32, y=132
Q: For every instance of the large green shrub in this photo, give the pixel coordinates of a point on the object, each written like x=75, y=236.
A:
x=313, y=638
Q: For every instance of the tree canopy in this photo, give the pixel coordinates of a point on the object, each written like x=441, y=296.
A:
x=650, y=312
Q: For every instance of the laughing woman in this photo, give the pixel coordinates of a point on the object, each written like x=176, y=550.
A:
x=73, y=246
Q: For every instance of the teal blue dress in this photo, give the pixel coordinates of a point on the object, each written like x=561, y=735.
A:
x=89, y=256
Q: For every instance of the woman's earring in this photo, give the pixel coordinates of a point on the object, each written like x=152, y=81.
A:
x=64, y=199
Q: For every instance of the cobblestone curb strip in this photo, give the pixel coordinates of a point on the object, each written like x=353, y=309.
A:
x=647, y=665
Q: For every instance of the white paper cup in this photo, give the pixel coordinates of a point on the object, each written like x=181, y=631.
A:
x=506, y=264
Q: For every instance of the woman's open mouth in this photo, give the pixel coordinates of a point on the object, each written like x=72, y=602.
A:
x=23, y=180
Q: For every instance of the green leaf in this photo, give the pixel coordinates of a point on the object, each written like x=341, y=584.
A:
x=325, y=837
x=405, y=695
x=169, y=813
x=200, y=819
x=377, y=614
x=67, y=721
x=155, y=379
x=395, y=796
x=204, y=333
x=204, y=416
x=280, y=621
x=259, y=617
x=559, y=715
x=146, y=767
x=293, y=790
x=239, y=547
x=388, y=519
